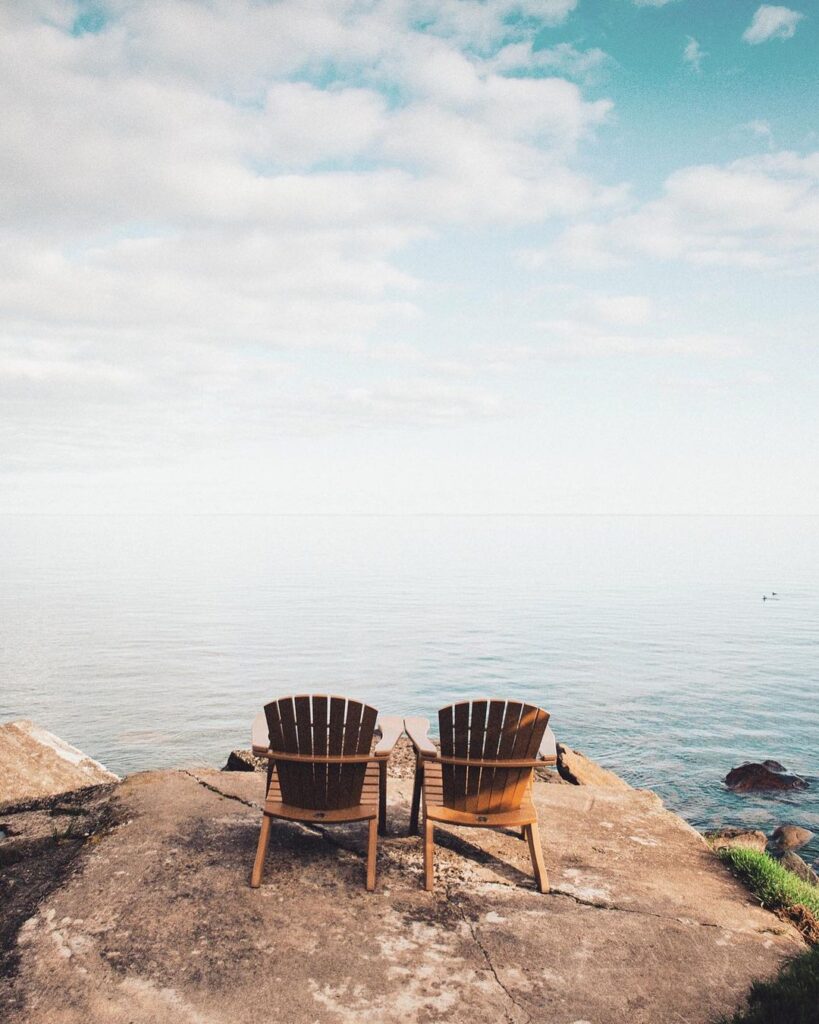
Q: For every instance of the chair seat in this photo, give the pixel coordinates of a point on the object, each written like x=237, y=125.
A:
x=367, y=809
x=361, y=812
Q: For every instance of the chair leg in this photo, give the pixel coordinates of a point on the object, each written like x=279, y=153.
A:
x=261, y=850
x=382, y=798
x=372, y=850
x=416, y=796
x=429, y=850
x=536, y=853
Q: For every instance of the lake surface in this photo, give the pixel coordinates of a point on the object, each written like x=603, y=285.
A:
x=153, y=641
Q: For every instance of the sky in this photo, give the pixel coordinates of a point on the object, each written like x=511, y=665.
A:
x=409, y=256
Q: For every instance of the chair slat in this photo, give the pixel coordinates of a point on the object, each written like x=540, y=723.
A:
x=527, y=742
x=460, y=746
x=320, y=747
x=274, y=726
x=445, y=731
x=477, y=731
x=492, y=734
x=350, y=774
x=304, y=728
x=335, y=745
x=290, y=774
x=366, y=730
x=505, y=779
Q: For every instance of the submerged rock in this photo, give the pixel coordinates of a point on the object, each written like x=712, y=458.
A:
x=794, y=863
x=789, y=837
x=752, y=776
x=723, y=838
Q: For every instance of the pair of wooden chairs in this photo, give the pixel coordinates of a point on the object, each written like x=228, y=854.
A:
x=327, y=764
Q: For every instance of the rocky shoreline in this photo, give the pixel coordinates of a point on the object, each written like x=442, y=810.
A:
x=180, y=843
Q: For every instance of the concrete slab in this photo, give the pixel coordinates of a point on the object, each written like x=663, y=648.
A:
x=643, y=923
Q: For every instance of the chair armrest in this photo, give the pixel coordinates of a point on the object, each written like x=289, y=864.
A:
x=417, y=729
x=390, y=727
x=548, y=747
x=259, y=736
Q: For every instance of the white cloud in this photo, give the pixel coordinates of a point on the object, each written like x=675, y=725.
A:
x=420, y=401
x=285, y=189
x=480, y=25
x=693, y=54
x=772, y=22
x=217, y=217
x=760, y=128
x=761, y=211
x=622, y=325
x=578, y=340
x=561, y=59
x=254, y=227
x=623, y=310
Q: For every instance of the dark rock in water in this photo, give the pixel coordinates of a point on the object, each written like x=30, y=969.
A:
x=245, y=761
x=722, y=838
x=789, y=837
x=775, y=766
x=751, y=776
x=794, y=863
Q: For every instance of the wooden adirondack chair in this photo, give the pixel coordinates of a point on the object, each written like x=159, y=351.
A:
x=482, y=778
x=320, y=768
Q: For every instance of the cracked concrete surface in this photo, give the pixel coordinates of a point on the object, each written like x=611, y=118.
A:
x=643, y=924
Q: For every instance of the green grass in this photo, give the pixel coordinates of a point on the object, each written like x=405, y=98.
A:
x=793, y=998
x=773, y=885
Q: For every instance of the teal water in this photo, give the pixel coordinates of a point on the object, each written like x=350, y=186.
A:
x=152, y=641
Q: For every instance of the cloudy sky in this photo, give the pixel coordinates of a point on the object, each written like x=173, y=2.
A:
x=409, y=255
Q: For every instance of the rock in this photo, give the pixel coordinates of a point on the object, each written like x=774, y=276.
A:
x=723, y=838
x=36, y=765
x=550, y=776
x=751, y=776
x=580, y=770
x=775, y=766
x=245, y=761
x=794, y=863
x=789, y=837
x=36, y=856
x=159, y=925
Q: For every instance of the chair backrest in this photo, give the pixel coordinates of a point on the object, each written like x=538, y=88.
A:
x=494, y=731
x=321, y=726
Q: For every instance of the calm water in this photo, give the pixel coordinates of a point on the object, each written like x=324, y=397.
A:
x=152, y=641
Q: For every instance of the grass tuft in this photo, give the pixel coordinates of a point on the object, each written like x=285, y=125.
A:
x=773, y=885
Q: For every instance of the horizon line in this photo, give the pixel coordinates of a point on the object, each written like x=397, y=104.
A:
x=419, y=515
